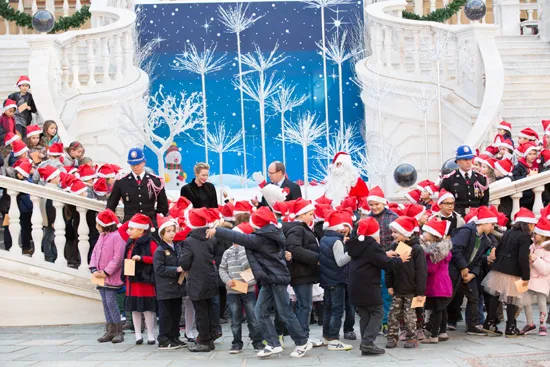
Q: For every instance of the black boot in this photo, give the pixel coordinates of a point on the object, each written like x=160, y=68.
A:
x=512, y=331
x=491, y=328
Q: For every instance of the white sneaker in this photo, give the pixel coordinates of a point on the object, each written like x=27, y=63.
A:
x=316, y=342
x=301, y=350
x=325, y=341
x=269, y=350
x=338, y=345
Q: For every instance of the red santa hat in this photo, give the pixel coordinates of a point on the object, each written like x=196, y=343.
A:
x=301, y=206
x=336, y=220
x=342, y=157
x=24, y=167
x=444, y=195
x=262, y=217
x=199, y=218
x=107, y=218
x=504, y=166
x=100, y=187
x=66, y=180
x=525, y=148
x=502, y=220
x=86, y=173
x=9, y=103
x=507, y=143
x=19, y=148
x=485, y=215
x=56, y=149
x=504, y=125
x=244, y=227
x=23, y=79
x=545, y=155
x=491, y=151
x=435, y=208
x=10, y=138
x=428, y=186
x=404, y=225
x=437, y=227
x=179, y=207
x=106, y=171
x=368, y=227
x=78, y=187
x=141, y=221
x=546, y=126
x=70, y=169
x=182, y=233
x=482, y=159
x=376, y=194
x=165, y=222
x=227, y=211
x=321, y=210
x=323, y=200
x=471, y=216
x=243, y=207
x=526, y=216
x=364, y=207
x=397, y=208
x=415, y=211
x=413, y=196
x=350, y=203
x=33, y=130
x=360, y=189
x=543, y=227
x=283, y=207
x=529, y=133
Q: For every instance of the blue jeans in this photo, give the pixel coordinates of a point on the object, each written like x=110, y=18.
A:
x=215, y=309
x=276, y=295
x=349, y=319
x=386, y=298
x=236, y=302
x=334, y=299
x=48, y=246
x=304, y=304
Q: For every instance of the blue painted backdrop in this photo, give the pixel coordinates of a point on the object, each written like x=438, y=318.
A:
x=297, y=28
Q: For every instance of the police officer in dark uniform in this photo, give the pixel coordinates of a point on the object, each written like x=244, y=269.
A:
x=140, y=192
x=469, y=188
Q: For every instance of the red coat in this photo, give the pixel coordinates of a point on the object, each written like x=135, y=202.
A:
x=139, y=289
x=8, y=123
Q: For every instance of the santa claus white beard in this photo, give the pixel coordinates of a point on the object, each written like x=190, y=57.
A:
x=339, y=181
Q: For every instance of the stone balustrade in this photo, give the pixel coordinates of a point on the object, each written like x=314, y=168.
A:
x=38, y=195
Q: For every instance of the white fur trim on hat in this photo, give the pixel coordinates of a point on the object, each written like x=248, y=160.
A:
x=526, y=220
x=374, y=235
x=168, y=223
x=306, y=209
x=542, y=232
x=104, y=224
x=378, y=199
x=445, y=196
x=7, y=107
x=410, y=198
x=22, y=172
x=502, y=170
x=401, y=230
x=137, y=225
x=487, y=220
x=337, y=227
x=53, y=175
x=430, y=230
x=24, y=150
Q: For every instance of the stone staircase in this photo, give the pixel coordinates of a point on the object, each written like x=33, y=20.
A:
x=15, y=62
x=526, y=99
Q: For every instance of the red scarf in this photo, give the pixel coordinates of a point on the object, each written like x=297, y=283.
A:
x=533, y=167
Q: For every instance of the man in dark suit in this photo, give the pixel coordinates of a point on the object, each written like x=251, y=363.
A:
x=276, y=172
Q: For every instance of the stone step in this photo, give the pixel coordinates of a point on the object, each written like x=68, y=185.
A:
x=520, y=52
x=526, y=78
x=527, y=70
x=522, y=101
x=527, y=112
x=520, y=65
x=516, y=38
x=525, y=58
x=521, y=92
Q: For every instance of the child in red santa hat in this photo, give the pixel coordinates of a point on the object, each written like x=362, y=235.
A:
x=25, y=104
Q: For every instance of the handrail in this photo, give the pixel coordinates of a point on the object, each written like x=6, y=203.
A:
x=518, y=186
x=49, y=193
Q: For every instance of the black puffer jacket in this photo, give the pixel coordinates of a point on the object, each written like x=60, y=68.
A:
x=265, y=249
x=165, y=263
x=197, y=257
x=512, y=254
x=409, y=278
x=303, y=245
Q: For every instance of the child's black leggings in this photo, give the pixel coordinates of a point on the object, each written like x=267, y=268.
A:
x=438, y=322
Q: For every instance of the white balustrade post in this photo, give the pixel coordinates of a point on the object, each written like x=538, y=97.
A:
x=34, y=7
x=7, y=26
x=459, y=16
x=118, y=58
x=91, y=63
x=15, y=225
x=432, y=5
x=59, y=226
x=21, y=8
x=128, y=53
x=74, y=65
x=78, y=5
x=65, y=8
x=515, y=203
x=538, y=205
x=83, y=243
x=106, y=60
x=495, y=203
x=388, y=47
x=402, y=50
x=416, y=51
x=37, y=221
x=509, y=17
x=378, y=35
x=419, y=7
x=65, y=67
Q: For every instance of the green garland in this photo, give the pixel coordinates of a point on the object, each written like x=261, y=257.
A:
x=62, y=24
x=439, y=15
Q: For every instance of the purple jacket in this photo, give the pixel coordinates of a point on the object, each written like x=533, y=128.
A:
x=107, y=256
x=438, y=256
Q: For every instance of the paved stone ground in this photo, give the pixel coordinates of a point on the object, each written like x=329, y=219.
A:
x=76, y=345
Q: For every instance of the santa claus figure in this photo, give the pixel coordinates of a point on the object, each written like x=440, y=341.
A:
x=343, y=180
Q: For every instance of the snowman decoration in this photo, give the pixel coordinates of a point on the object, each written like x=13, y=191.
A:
x=174, y=176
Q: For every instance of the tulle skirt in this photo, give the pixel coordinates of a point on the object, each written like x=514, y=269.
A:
x=503, y=286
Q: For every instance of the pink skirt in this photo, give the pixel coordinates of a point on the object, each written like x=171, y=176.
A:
x=503, y=286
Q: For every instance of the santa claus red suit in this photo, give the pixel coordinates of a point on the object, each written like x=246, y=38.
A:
x=343, y=180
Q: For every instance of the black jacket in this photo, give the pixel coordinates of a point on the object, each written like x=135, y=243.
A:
x=295, y=191
x=197, y=257
x=364, y=278
x=464, y=239
x=165, y=263
x=265, y=249
x=410, y=277
x=201, y=197
x=318, y=230
x=513, y=254
x=466, y=195
x=136, y=197
x=144, y=272
x=521, y=171
x=303, y=245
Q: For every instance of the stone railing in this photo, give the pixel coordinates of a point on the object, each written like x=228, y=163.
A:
x=509, y=15
x=60, y=8
x=515, y=190
x=420, y=8
x=38, y=195
x=81, y=62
